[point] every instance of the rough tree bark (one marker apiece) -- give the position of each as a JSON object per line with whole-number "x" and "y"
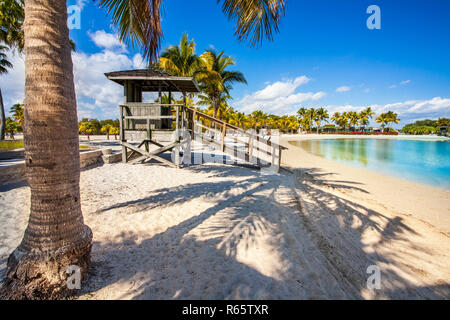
{"x": 56, "y": 236}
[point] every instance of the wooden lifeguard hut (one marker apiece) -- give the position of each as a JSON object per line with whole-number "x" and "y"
{"x": 172, "y": 126}
{"x": 151, "y": 122}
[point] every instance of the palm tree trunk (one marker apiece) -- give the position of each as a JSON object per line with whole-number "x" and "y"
{"x": 56, "y": 236}
{"x": 3, "y": 117}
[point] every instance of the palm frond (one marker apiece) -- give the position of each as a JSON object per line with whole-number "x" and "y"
{"x": 138, "y": 23}
{"x": 254, "y": 19}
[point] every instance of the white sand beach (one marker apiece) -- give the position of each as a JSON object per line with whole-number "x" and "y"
{"x": 215, "y": 231}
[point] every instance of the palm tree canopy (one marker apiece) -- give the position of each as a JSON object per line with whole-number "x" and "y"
{"x": 214, "y": 77}
{"x": 254, "y": 19}
{"x": 181, "y": 60}
{"x": 11, "y": 20}
{"x": 4, "y": 63}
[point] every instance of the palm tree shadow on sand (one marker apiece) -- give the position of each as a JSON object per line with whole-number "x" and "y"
{"x": 214, "y": 255}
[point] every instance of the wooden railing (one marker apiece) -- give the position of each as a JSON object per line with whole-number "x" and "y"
{"x": 254, "y": 148}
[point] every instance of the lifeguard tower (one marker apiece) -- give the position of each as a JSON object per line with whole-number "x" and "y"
{"x": 151, "y": 122}
{"x": 160, "y": 124}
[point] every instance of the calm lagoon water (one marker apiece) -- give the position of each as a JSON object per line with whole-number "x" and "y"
{"x": 421, "y": 161}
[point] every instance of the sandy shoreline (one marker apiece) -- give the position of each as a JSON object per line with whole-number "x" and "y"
{"x": 215, "y": 231}
{"x": 428, "y": 203}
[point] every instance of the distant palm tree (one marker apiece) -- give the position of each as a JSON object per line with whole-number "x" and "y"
{"x": 107, "y": 128}
{"x": 222, "y": 104}
{"x": 383, "y": 119}
{"x": 365, "y": 116}
{"x": 4, "y": 66}
{"x": 17, "y": 113}
{"x": 321, "y": 115}
{"x": 238, "y": 119}
{"x": 214, "y": 79}
{"x": 392, "y": 117}
{"x": 353, "y": 119}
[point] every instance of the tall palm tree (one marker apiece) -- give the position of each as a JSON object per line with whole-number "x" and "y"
{"x": 365, "y": 116}
{"x": 321, "y": 115}
{"x": 56, "y": 235}
{"x": 312, "y": 115}
{"x": 4, "y": 66}
{"x": 222, "y": 104}
{"x": 353, "y": 119}
{"x": 383, "y": 119}
{"x": 214, "y": 79}
{"x": 392, "y": 117}
{"x": 238, "y": 119}
{"x": 180, "y": 60}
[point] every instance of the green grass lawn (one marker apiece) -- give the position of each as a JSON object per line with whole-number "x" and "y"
{"x": 10, "y": 144}
{"x": 6, "y": 145}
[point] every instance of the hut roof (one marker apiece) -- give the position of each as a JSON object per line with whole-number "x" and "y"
{"x": 153, "y": 80}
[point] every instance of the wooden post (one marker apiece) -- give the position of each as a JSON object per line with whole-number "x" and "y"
{"x": 168, "y": 121}
{"x": 122, "y": 136}
{"x": 194, "y": 113}
{"x": 224, "y": 132}
{"x": 250, "y": 147}
{"x": 183, "y": 112}
{"x": 176, "y": 121}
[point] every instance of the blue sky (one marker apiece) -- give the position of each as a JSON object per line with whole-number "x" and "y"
{"x": 324, "y": 56}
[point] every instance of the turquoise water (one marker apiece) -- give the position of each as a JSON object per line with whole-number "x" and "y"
{"x": 421, "y": 161}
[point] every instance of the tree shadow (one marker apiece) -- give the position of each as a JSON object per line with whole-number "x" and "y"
{"x": 338, "y": 226}
{"x": 213, "y": 255}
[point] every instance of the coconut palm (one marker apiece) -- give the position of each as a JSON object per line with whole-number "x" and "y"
{"x": 383, "y": 119}
{"x": 312, "y": 115}
{"x": 11, "y": 23}
{"x": 17, "y": 113}
{"x": 392, "y": 117}
{"x": 214, "y": 79}
{"x": 4, "y": 66}
{"x": 180, "y": 60}
{"x": 321, "y": 115}
{"x": 107, "y": 128}
{"x": 56, "y": 235}
{"x": 365, "y": 116}
{"x": 11, "y": 127}
{"x": 353, "y": 119}
{"x": 222, "y": 104}
{"x": 238, "y": 119}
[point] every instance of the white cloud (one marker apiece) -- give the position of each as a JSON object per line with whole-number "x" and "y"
{"x": 401, "y": 83}
{"x": 95, "y": 93}
{"x": 139, "y": 62}
{"x": 106, "y": 40}
{"x": 405, "y": 82}
{"x": 279, "y": 97}
{"x": 408, "y": 111}
{"x": 12, "y": 83}
{"x": 343, "y": 89}
{"x": 280, "y": 88}
{"x": 367, "y": 90}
